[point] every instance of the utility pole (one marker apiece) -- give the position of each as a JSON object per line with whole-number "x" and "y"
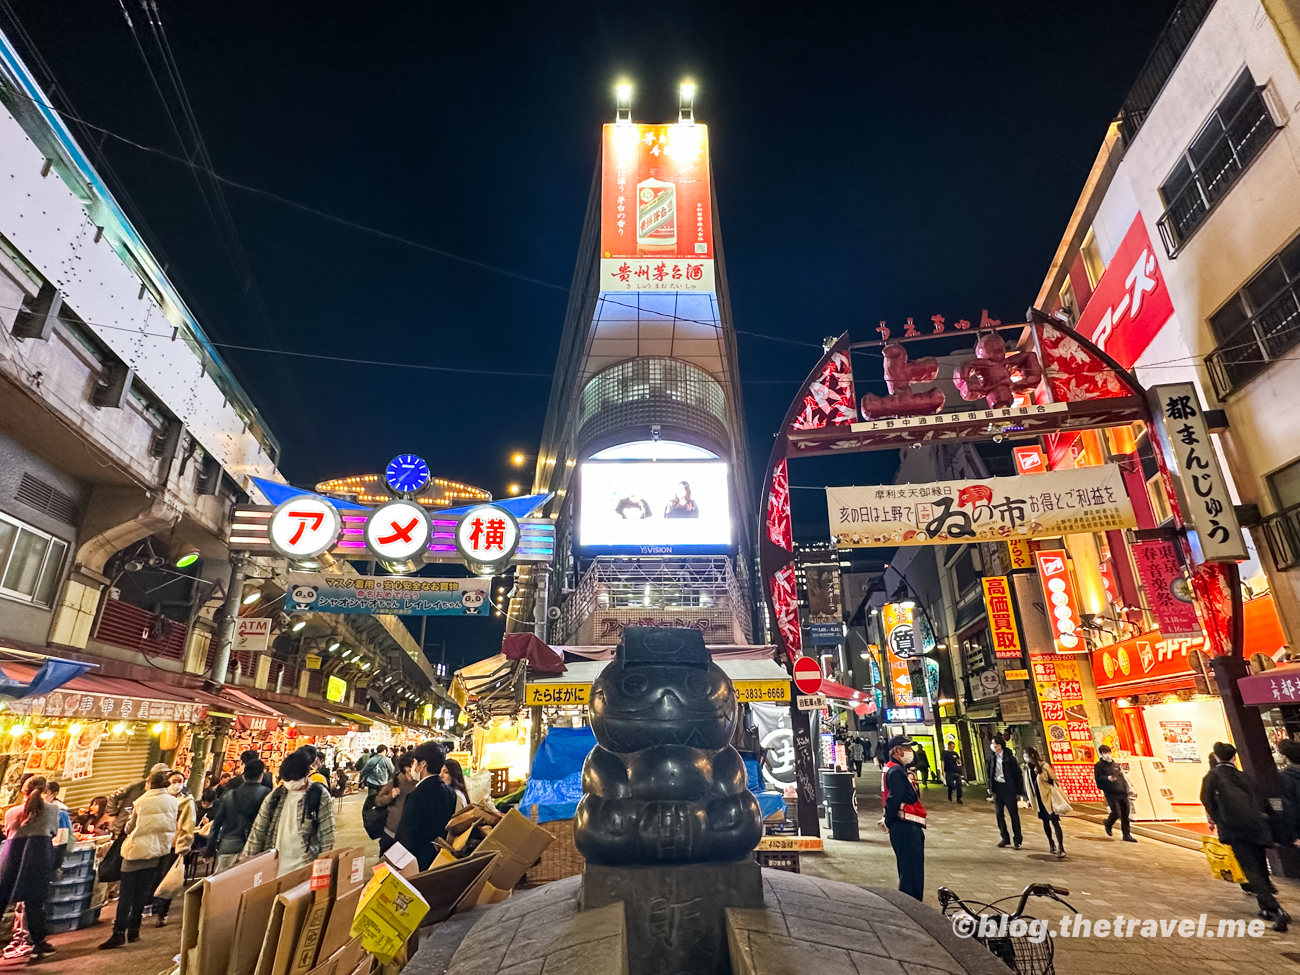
{"x": 226, "y": 639}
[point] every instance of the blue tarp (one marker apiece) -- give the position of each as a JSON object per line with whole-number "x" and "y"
{"x": 54, "y": 673}
{"x": 555, "y": 783}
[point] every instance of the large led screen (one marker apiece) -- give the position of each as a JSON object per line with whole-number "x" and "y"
{"x": 654, "y": 506}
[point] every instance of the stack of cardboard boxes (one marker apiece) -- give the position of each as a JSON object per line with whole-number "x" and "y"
{"x": 335, "y": 917}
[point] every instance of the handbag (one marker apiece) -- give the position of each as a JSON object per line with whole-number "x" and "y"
{"x": 373, "y": 818}
{"x": 173, "y": 881}
{"x": 1223, "y": 862}
{"x": 1060, "y": 805}
{"x": 110, "y": 868}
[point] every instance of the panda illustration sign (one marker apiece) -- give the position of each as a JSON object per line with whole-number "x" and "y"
{"x": 395, "y": 595}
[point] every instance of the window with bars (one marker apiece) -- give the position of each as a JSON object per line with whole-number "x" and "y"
{"x": 1259, "y": 324}
{"x": 30, "y": 562}
{"x": 1238, "y": 128}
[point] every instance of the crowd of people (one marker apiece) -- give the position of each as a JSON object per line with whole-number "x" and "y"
{"x": 156, "y": 821}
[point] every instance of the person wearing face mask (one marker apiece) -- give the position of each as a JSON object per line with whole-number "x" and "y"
{"x": 905, "y": 816}
{"x": 1007, "y": 783}
{"x": 297, "y": 818}
{"x": 428, "y": 807}
{"x": 150, "y": 835}
{"x": 183, "y": 843}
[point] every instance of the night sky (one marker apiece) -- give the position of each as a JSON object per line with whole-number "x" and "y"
{"x": 872, "y": 162}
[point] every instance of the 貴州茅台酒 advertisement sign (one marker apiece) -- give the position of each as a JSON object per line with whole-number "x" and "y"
{"x": 1087, "y": 499}
{"x": 394, "y": 595}
{"x": 656, "y": 223}
{"x": 1130, "y": 303}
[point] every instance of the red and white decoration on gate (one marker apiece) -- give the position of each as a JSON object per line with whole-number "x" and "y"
{"x": 304, "y": 527}
{"x": 397, "y": 531}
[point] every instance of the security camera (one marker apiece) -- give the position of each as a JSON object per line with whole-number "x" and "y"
{"x": 655, "y": 431}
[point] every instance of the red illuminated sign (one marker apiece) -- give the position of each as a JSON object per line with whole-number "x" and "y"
{"x": 1131, "y": 303}
{"x": 1062, "y": 604}
{"x": 1030, "y": 460}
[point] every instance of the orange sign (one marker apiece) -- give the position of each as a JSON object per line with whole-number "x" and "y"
{"x": 1002, "y": 618}
{"x": 1062, "y": 603}
{"x": 1065, "y": 724}
{"x": 1030, "y": 460}
{"x": 656, "y": 223}
{"x": 899, "y": 634}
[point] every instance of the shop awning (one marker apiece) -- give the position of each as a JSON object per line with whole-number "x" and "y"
{"x": 92, "y": 697}
{"x": 755, "y": 681}
{"x": 1280, "y": 685}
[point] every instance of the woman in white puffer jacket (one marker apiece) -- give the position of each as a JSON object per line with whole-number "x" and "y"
{"x": 150, "y": 834}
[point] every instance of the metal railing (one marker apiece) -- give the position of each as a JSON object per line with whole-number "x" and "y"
{"x": 1282, "y": 532}
{"x": 1262, "y": 339}
{"x": 1243, "y": 136}
{"x": 1174, "y": 39}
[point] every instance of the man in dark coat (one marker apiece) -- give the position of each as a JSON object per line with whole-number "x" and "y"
{"x": 1288, "y": 780}
{"x": 429, "y": 806}
{"x": 1240, "y": 815}
{"x": 952, "y": 771}
{"x": 235, "y": 813}
{"x": 1110, "y": 780}
{"x": 1007, "y": 783}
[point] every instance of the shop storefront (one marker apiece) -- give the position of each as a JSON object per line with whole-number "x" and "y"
{"x": 1166, "y": 708}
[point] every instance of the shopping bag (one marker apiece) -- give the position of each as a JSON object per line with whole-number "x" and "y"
{"x": 173, "y": 881}
{"x": 1060, "y": 805}
{"x": 110, "y": 868}
{"x": 1223, "y": 863}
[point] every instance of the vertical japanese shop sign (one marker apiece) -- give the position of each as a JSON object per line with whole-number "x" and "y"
{"x": 900, "y": 647}
{"x": 1168, "y": 591}
{"x": 1199, "y": 484}
{"x": 1062, "y": 603}
{"x": 1020, "y": 554}
{"x": 656, "y": 224}
{"x": 1065, "y": 725}
{"x": 1002, "y": 618}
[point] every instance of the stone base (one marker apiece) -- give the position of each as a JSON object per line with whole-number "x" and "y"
{"x": 676, "y": 915}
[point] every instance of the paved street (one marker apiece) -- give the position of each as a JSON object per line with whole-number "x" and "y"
{"x": 1105, "y": 876}
{"x": 156, "y": 951}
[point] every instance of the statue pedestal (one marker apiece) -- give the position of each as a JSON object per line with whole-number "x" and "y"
{"x": 676, "y": 916}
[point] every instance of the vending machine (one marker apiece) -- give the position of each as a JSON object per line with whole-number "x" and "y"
{"x": 1153, "y": 801}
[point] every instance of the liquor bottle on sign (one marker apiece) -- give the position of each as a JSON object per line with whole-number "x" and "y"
{"x": 656, "y": 215}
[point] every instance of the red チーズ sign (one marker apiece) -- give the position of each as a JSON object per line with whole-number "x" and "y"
{"x": 656, "y": 221}
{"x": 807, "y": 675}
{"x": 1030, "y": 460}
{"x": 1062, "y": 604}
{"x": 1131, "y": 302}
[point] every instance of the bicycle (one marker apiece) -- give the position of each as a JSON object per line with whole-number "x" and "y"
{"x": 1025, "y": 953}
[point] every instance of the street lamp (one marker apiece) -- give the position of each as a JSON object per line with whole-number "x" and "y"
{"x": 514, "y": 489}
{"x": 686, "y": 103}
{"x": 623, "y": 102}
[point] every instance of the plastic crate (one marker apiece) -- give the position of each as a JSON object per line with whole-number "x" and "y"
{"x": 62, "y": 890}
{"x": 75, "y": 871}
{"x": 74, "y": 923}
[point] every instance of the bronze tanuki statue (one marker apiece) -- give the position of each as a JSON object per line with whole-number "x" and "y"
{"x": 664, "y": 785}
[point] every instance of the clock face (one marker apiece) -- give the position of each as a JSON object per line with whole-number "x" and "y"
{"x": 407, "y": 474}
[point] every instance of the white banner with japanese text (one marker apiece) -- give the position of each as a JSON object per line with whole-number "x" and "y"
{"x": 1085, "y": 499}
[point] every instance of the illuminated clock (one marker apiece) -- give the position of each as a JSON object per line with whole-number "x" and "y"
{"x": 407, "y": 474}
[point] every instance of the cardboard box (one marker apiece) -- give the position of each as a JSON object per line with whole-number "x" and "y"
{"x": 321, "y": 883}
{"x": 402, "y": 860}
{"x": 255, "y": 906}
{"x": 349, "y": 882}
{"x": 211, "y": 913}
{"x": 453, "y": 887}
{"x": 344, "y": 960}
{"x": 287, "y": 918}
{"x": 520, "y": 842}
{"x": 389, "y": 912}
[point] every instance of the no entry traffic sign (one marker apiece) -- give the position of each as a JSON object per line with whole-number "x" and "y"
{"x": 807, "y": 675}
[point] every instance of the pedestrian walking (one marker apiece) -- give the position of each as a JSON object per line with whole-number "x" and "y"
{"x": 296, "y": 818}
{"x": 249, "y": 755}
{"x": 1047, "y": 799}
{"x": 1007, "y": 783}
{"x": 235, "y": 814}
{"x": 904, "y": 816}
{"x": 856, "y": 756}
{"x": 1289, "y": 785}
{"x": 1240, "y": 815}
{"x": 150, "y": 835}
{"x": 454, "y": 776}
{"x": 921, "y": 764}
{"x": 119, "y": 804}
{"x": 392, "y": 796}
{"x": 27, "y": 859}
{"x": 882, "y": 752}
{"x": 953, "y": 773}
{"x": 181, "y": 846}
{"x": 428, "y": 807}
{"x": 377, "y": 770}
{"x": 1114, "y": 786}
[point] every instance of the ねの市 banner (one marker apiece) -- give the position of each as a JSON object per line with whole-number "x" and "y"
{"x": 1086, "y": 499}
